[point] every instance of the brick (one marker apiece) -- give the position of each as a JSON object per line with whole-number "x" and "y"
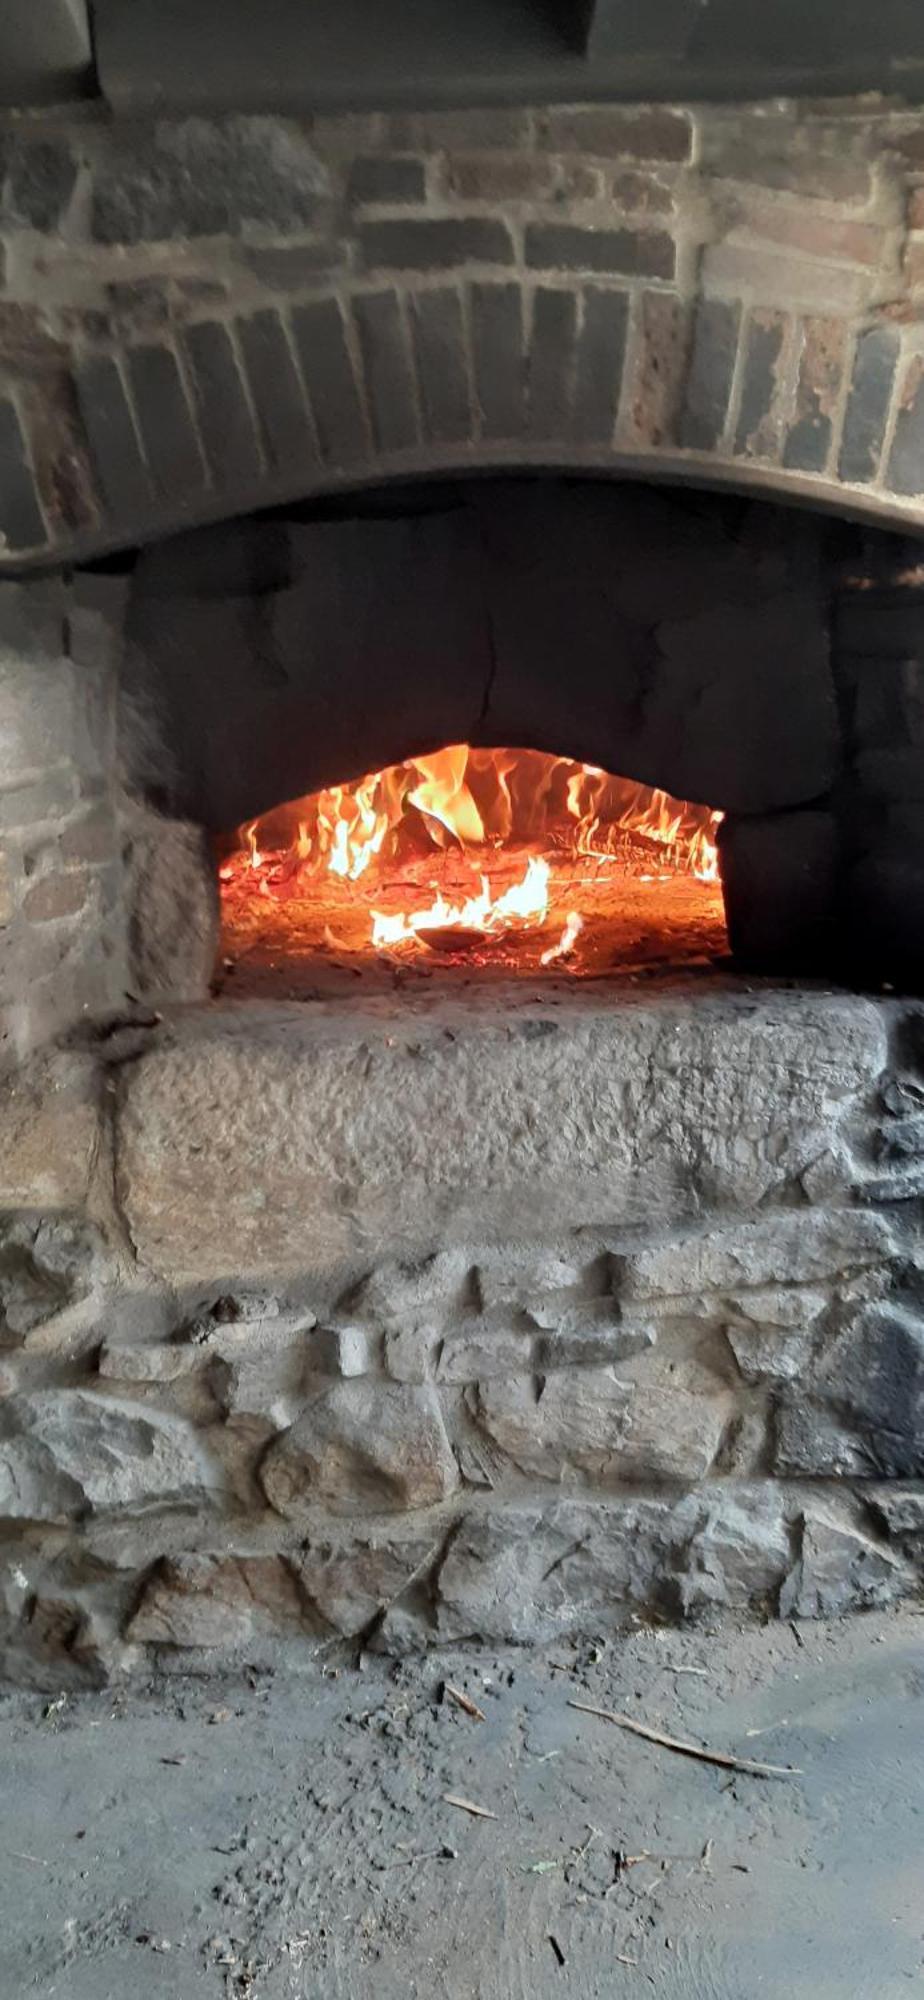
{"x": 601, "y": 348}
{"x": 327, "y": 372}
{"x": 22, "y": 524}
{"x": 55, "y": 896}
{"x": 802, "y": 228}
{"x": 386, "y": 356}
{"x": 770, "y": 276}
{"x": 61, "y": 462}
{"x": 906, "y": 462}
{"x": 660, "y": 367}
{"x": 296, "y": 267}
{"x": 913, "y": 263}
{"x": 42, "y": 177}
{"x": 442, "y": 369}
{"x": 802, "y": 155}
{"x": 434, "y": 243}
{"x": 278, "y": 397}
{"x": 114, "y": 444}
{"x": 610, "y": 130}
{"x": 165, "y": 420}
{"x": 551, "y": 362}
{"x": 875, "y": 362}
{"x": 384, "y": 178}
{"x": 502, "y": 177}
{"x": 498, "y": 358}
{"x": 641, "y": 194}
{"x": 555, "y": 246}
{"x": 26, "y": 346}
{"x": 465, "y": 131}
{"x": 757, "y": 429}
{"x": 709, "y": 381}
{"x": 821, "y": 367}
{"x": 225, "y": 422}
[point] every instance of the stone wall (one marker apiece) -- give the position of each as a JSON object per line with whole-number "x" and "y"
{"x": 199, "y": 316}
{"x": 496, "y": 1321}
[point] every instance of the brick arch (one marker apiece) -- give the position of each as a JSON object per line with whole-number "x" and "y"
{"x": 730, "y": 297}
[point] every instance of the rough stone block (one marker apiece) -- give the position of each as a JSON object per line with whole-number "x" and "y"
{"x": 218, "y": 1600}
{"x": 206, "y": 177}
{"x": 591, "y": 1332}
{"x": 793, "y": 1248}
{"x": 49, "y": 1133}
{"x": 63, "y": 1451}
{"x": 325, "y": 1148}
{"x": 352, "y": 1581}
{"x": 47, "y": 1262}
{"x": 42, "y": 175}
{"x": 362, "y": 1444}
{"x": 342, "y": 1350}
{"x": 592, "y": 1421}
{"x": 479, "y": 1353}
{"x": 840, "y": 1569}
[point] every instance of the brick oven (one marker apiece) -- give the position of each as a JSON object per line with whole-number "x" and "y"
{"x": 461, "y": 873}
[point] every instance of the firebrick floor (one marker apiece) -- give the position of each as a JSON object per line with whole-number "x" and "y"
{"x": 287, "y": 1834}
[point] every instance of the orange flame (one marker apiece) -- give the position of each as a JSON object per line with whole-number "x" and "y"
{"x": 475, "y": 803}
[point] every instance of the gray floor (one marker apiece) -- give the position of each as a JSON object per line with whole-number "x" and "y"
{"x": 288, "y": 1836}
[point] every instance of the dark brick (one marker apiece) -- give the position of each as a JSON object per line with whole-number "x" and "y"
{"x": 756, "y": 433}
{"x": 225, "y": 423}
{"x": 565, "y": 246}
{"x": 435, "y": 243}
{"x": 278, "y": 397}
{"x": 551, "y": 362}
{"x": 712, "y": 366}
{"x": 42, "y": 177}
{"x": 114, "y": 446}
{"x": 21, "y": 522}
{"x": 499, "y": 362}
{"x": 387, "y": 365}
{"x": 874, "y": 366}
{"x": 502, "y": 177}
{"x": 906, "y": 463}
{"x": 165, "y": 421}
{"x": 327, "y": 372}
{"x": 60, "y": 457}
{"x": 295, "y": 267}
{"x": 205, "y": 177}
{"x": 26, "y": 346}
{"x": 616, "y": 133}
{"x": 641, "y": 194}
{"x": 601, "y": 349}
{"x": 141, "y": 304}
{"x": 465, "y": 131}
{"x": 821, "y": 366}
{"x": 442, "y": 369}
{"x": 386, "y": 179}
{"x": 660, "y": 367}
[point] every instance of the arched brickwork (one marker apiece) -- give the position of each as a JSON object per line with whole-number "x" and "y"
{"x": 206, "y": 317}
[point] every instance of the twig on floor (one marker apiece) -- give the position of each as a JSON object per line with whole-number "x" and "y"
{"x": 464, "y": 1701}
{"x": 728, "y": 1763}
{"x": 469, "y": 1806}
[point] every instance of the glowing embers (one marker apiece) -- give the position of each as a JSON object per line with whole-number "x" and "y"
{"x": 496, "y": 856}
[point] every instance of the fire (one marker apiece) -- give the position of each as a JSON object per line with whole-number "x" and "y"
{"x": 500, "y": 842}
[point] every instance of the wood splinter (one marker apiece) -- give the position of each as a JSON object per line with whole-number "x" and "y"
{"x": 721, "y": 1757}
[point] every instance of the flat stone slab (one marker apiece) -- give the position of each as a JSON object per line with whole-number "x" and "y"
{"x": 272, "y": 1139}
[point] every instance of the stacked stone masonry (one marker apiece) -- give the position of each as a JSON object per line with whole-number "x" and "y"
{"x": 325, "y": 1325}
{"x": 201, "y": 316}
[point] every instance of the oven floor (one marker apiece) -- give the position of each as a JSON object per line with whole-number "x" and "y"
{"x": 275, "y": 1837}
{"x": 307, "y": 950}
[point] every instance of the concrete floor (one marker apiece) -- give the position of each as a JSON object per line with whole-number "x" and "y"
{"x": 289, "y": 1836}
